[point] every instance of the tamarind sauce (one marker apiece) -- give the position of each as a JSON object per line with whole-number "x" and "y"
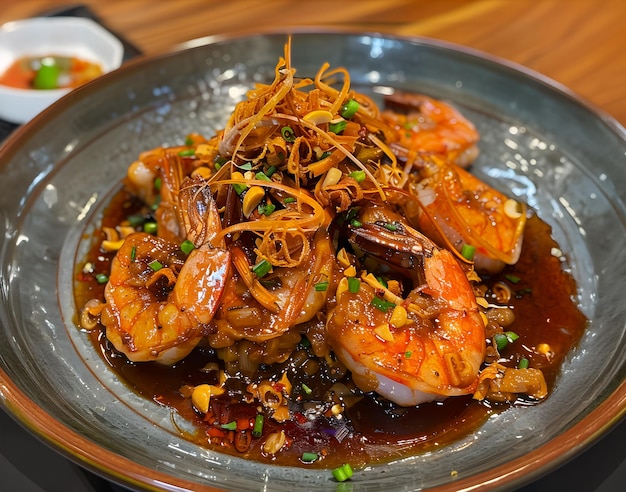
{"x": 544, "y": 303}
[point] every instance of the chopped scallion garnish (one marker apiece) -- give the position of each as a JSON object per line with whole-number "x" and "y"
{"x": 337, "y": 127}
{"x": 350, "y": 109}
{"x": 156, "y": 265}
{"x": 150, "y": 227}
{"x": 391, "y": 226}
{"x": 523, "y": 363}
{"x": 136, "y": 220}
{"x": 358, "y": 176}
{"x": 266, "y": 208}
{"x": 270, "y": 170}
{"x": 355, "y": 223}
{"x": 343, "y": 472}
{"x": 133, "y": 253}
{"x": 306, "y": 389}
{"x": 382, "y": 304}
{"x": 354, "y": 285}
{"x": 288, "y": 133}
{"x": 503, "y": 339}
{"x": 187, "y": 153}
{"x": 262, "y": 176}
{"x": 102, "y": 278}
{"x": 230, "y": 426}
{"x": 262, "y": 268}
{"x": 512, "y": 278}
{"x": 321, "y": 286}
{"x": 289, "y": 199}
{"x": 187, "y": 246}
{"x": 188, "y": 140}
{"x": 158, "y": 183}
{"x": 408, "y": 354}
{"x": 309, "y": 457}
{"x": 468, "y": 251}
{"x": 239, "y": 188}
{"x": 257, "y": 430}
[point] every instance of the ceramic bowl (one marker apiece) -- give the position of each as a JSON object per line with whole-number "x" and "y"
{"x": 538, "y": 142}
{"x": 69, "y": 36}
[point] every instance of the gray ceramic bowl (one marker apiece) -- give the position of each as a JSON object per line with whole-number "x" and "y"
{"x": 538, "y": 142}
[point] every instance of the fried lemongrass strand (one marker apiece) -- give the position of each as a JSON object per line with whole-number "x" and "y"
{"x": 306, "y": 222}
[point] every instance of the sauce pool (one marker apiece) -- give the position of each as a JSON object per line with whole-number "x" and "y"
{"x": 373, "y": 430}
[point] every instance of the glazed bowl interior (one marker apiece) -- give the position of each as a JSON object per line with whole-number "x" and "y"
{"x": 538, "y": 142}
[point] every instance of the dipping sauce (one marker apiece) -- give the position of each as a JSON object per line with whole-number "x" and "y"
{"x": 50, "y": 72}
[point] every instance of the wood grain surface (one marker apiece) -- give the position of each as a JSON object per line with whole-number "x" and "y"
{"x": 579, "y": 43}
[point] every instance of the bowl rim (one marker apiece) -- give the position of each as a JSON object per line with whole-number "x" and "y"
{"x": 607, "y": 415}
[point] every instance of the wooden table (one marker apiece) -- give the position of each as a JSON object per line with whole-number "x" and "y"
{"x": 579, "y": 43}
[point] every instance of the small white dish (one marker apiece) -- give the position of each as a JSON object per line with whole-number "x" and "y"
{"x": 39, "y": 36}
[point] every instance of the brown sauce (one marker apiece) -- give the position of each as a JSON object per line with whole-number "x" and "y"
{"x": 379, "y": 431}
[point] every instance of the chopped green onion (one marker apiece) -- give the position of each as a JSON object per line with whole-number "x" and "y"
{"x": 187, "y": 246}
{"x": 266, "y": 208}
{"x": 381, "y": 304}
{"x": 337, "y": 127}
{"x": 231, "y": 426}
{"x": 47, "y": 76}
{"x": 523, "y": 363}
{"x": 262, "y": 176}
{"x": 219, "y": 162}
{"x": 289, "y": 199}
{"x": 306, "y": 389}
{"x": 188, "y": 140}
{"x": 355, "y": 223}
{"x": 102, "y": 278}
{"x": 271, "y": 170}
{"x": 136, "y": 220}
{"x": 262, "y": 268}
{"x": 390, "y": 226}
{"x": 304, "y": 341}
{"x": 468, "y": 251}
{"x": 408, "y": 354}
{"x": 343, "y": 472}
{"x": 187, "y": 152}
{"x": 133, "y": 253}
{"x": 354, "y": 285}
{"x": 150, "y": 227}
{"x": 240, "y": 188}
{"x": 350, "y": 109}
{"x": 158, "y": 182}
{"x": 503, "y": 339}
{"x": 288, "y": 133}
{"x": 156, "y": 265}
{"x": 245, "y": 167}
{"x": 359, "y": 176}
{"x": 156, "y": 203}
{"x": 512, "y": 278}
{"x": 257, "y": 430}
{"x": 382, "y": 281}
{"x": 325, "y": 155}
{"x": 309, "y": 457}
{"x": 321, "y": 286}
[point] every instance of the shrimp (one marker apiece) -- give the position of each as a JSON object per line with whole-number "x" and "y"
{"x": 425, "y": 346}
{"x": 460, "y": 210}
{"x": 159, "y": 300}
{"x": 427, "y": 126}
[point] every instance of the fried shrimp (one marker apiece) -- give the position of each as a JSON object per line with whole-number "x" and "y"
{"x": 425, "y": 346}
{"x": 158, "y": 299}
